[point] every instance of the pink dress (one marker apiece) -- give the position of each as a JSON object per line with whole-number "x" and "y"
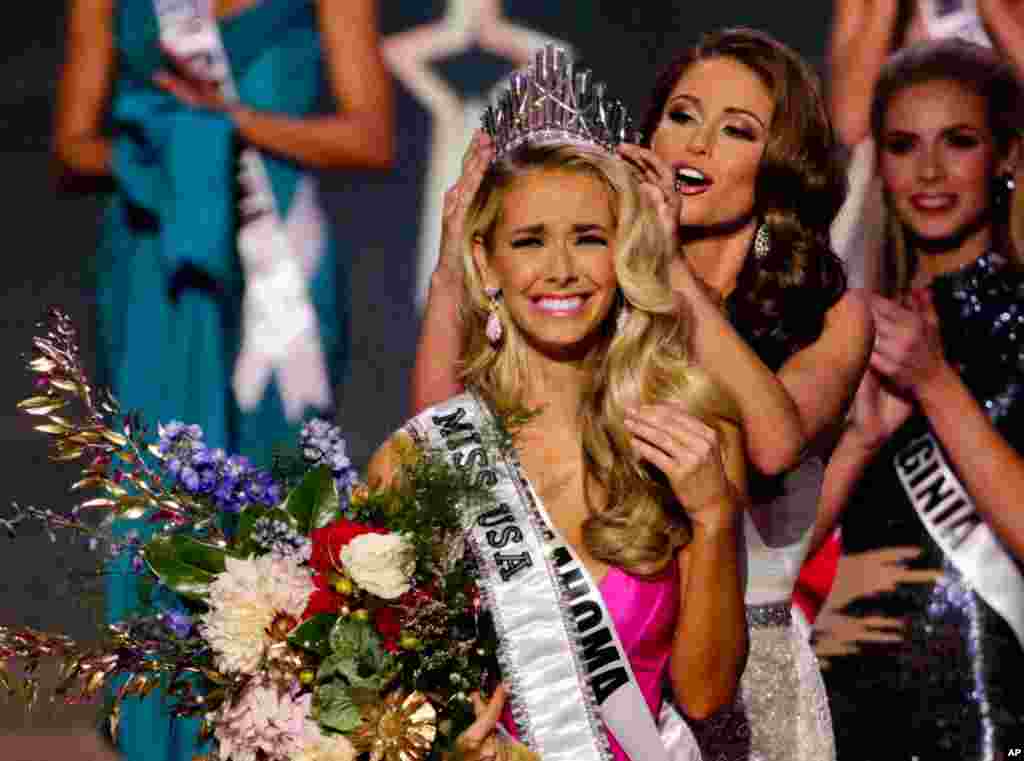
{"x": 644, "y": 612}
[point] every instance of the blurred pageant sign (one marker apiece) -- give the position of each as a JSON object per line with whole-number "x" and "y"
{"x": 468, "y": 29}
{"x": 955, "y": 18}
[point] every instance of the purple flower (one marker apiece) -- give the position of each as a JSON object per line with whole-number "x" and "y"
{"x": 231, "y": 481}
{"x": 189, "y": 478}
{"x": 237, "y": 467}
{"x": 322, "y": 443}
{"x": 179, "y": 622}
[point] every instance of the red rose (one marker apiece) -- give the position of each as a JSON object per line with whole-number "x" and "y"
{"x": 328, "y": 541}
{"x": 387, "y": 622}
{"x": 324, "y": 599}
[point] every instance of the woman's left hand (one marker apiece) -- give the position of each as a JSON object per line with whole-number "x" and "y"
{"x": 186, "y": 83}
{"x": 908, "y": 345}
{"x": 689, "y": 453}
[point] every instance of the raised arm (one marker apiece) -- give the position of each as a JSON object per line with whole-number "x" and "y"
{"x": 711, "y": 643}
{"x": 774, "y": 433}
{"x": 80, "y": 149}
{"x": 910, "y": 353}
{"x": 822, "y": 378}
{"x": 1004, "y": 21}
{"x": 781, "y": 414}
{"x": 435, "y": 375}
{"x": 706, "y": 470}
{"x": 877, "y": 412}
{"x": 863, "y": 33}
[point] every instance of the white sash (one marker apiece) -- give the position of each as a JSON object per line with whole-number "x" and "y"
{"x": 546, "y": 606}
{"x": 280, "y": 334}
{"x": 951, "y": 518}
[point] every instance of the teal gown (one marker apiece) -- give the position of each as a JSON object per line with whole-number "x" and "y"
{"x": 169, "y": 284}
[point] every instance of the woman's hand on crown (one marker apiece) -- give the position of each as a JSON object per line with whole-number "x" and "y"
{"x": 657, "y": 181}
{"x": 689, "y": 453}
{"x": 457, "y": 199}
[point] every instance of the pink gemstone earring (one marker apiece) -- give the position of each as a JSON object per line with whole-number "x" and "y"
{"x": 494, "y": 327}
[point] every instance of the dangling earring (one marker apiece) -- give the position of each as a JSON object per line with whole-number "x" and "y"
{"x": 762, "y": 241}
{"x": 1005, "y": 184}
{"x": 494, "y": 327}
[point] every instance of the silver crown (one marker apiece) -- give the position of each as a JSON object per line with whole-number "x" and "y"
{"x": 550, "y": 101}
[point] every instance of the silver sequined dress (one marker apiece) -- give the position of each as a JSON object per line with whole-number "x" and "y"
{"x": 951, "y": 689}
{"x": 781, "y": 713}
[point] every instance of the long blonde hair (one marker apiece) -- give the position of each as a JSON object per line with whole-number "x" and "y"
{"x": 640, "y": 357}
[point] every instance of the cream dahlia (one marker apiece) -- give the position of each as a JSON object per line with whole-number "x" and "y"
{"x": 265, "y": 719}
{"x": 327, "y": 748}
{"x": 245, "y": 600}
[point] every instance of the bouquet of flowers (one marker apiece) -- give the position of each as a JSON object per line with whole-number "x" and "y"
{"x": 312, "y": 619}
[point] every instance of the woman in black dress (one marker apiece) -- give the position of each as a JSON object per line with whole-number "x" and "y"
{"x": 931, "y": 461}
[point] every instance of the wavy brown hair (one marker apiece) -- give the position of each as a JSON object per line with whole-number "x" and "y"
{"x": 780, "y": 301}
{"x": 981, "y": 71}
{"x": 640, "y": 358}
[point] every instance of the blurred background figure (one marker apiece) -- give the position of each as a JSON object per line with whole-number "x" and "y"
{"x": 186, "y": 326}
{"x": 926, "y": 621}
{"x": 864, "y": 33}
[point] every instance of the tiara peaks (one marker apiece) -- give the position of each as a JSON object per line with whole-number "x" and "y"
{"x": 550, "y": 101}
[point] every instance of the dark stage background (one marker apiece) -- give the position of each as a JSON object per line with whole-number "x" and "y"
{"x": 49, "y": 240}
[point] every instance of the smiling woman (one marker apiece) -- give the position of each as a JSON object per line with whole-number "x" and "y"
{"x": 744, "y": 184}
{"x": 924, "y": 658}
{"x": 627, "y": 478}
{"x": 551, "y": 257}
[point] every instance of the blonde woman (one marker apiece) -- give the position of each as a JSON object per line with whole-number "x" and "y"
{"x": 622, "y": 492}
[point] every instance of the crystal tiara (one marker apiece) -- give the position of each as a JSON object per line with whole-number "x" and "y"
{"x": 551, "y": 102}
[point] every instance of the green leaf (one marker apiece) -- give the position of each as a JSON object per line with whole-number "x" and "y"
{"x": 244, "y": 546}
{"x": 209, "y": 557}
{"x": 314, "y": 502}
{"x": 358, "y": 655}
{"x": 314, "y": 635}
{"x": 333, "y": 665}
{"x": 355, "y": 640}
{"x": 365, "y": 676}
{"x": 185, "y": 565}
{"x": 337, "y": 709}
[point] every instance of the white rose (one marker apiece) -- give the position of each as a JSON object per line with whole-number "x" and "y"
{"x": 380, "y": 563}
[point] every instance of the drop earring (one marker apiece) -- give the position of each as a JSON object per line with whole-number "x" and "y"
{"x": 494, "y": 327}
{"x": 762, "y": 241}
{"x": 1005, "y": 184}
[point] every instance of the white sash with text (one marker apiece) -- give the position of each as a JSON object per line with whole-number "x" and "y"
{"x": 280, "y": 335}
{"x": 951, "y": 518}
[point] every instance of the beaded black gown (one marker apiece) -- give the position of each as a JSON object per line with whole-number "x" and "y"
{"x": 953, "y": 688}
